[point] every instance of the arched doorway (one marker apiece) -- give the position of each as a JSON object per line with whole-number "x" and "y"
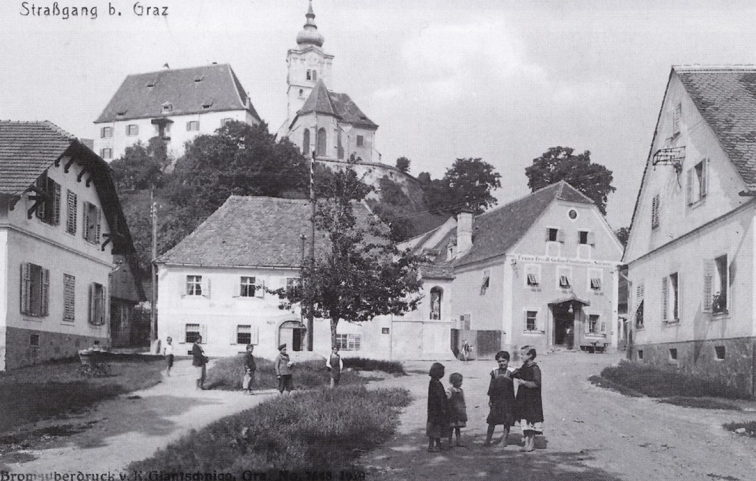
{"x": 293, "y": 334}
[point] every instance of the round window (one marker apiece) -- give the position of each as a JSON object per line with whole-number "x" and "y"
{"x": 573, "y": 214}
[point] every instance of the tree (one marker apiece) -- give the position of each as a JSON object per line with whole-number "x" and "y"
{"x": 623, "y": 234}
{"x": 361, "y": 274}
{"x": 394, "y": 209}
{"x": 141, "y": 167}
{"x": 403, "y": 164}
{"x": 559, "y": 163}
{"x": 467, "y": 184}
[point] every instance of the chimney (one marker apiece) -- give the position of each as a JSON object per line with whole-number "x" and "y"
{"x": 464, "y": 232}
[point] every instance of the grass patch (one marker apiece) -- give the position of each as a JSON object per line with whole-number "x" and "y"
{"x": 654, "y": 382}
{"x": 227, "y": 373}
{"x": 748, "y": 428}
{"x": 607, "y": 384}
{"x": 316, "y": 430}
{"x": 701, "y": 402}
{"x": 53, "y": 389}
{"x": 364, "y": 364}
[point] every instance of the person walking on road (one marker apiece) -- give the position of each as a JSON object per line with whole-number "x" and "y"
{"x": 249, "y": 369}
{"x": 283, "y": 365}
{"x": 501, "y": 399}
{"x": 335, "y": 365}
{"x": 528, "y": 405}
{"x": 168, "y": 353}
{"x": 199, "y": 361}
{"x": 438, "y": 409}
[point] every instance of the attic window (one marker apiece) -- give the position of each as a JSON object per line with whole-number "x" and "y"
{"x": 151, "y": 83}
{"x": 199, "y": 78}
{"x": 207, "y": 104}
{"x": 122, "y": 112}
{"x": 167, "y": 107}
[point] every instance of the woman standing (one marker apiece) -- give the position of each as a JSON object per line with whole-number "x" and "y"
{"x": 528, "y": 406}
{"x": 199, "y": 361}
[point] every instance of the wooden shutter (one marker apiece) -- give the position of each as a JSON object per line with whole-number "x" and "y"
{"x": 25, "y": 288}
{"x": 203, "y": 333}
{"x": 104, "y": 306}
{"x": 85, "y": 217}
{"x": 704, "y": 177}
{"x": 55, "y": 194}
{"x": 655, "y": 211}
{"x": 44, "y": 292}
{"x": 708, "y": 284}
{"x": 72, "y": 211}
{"x": 255, "y": 335}
{"x": 560, "y": 236}
{"x": 92, "y": 310}
{"x": 592, "y": 238}
{"x": 206, "y": 286}
{"x": 42, "y": 185}
{"x": 260, "y": 289}
{"x": 689, "y": 187}
{"x": 97, "y": 226}
{"x": 547, "y": 234}
{"x": 665, "y": 298}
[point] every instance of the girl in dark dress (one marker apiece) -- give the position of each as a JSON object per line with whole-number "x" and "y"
{"x": 438, "y": 409}
{"x": 501, "y": 399}
{"x": 528, "y": 406}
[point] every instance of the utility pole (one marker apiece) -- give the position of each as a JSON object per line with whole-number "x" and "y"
{"x": 310, "y": 314}
{"x": 153, "y": 277}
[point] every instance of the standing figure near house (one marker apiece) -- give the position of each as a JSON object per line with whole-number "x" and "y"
{"x": 457, "y": 407}
{"x": 438, "y": 409}
{"x": 283, "y": 365}
{"x": 335, "y": 365}
{"x": 528, "y": 405}
{"x": 168, "y": 353}
{"x": 466, "y": 350}
{"x": 249, "y": 369}
{"x": 501, "y": 399}
{"x": 199, "y": 361}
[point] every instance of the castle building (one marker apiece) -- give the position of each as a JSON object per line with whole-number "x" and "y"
{"x": 318, "y": 119}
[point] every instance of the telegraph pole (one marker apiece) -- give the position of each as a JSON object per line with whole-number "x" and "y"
{"x": 153, "y": 278}
{"x": 310, "y": 314}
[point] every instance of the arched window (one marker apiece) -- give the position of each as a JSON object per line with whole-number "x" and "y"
{"x": 435, "y": 306}
{"x": 314, "y": 75}
{"x": 321, "y": 144}
{"x": 306, "y": 143}
{"x": 309, "y": 76}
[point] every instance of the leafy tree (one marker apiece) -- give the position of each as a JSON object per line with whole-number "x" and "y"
{"x": 361, "y": 274}
{"x": 623, "y": 234}
{"x": 141, "y": 167}
{"x": 394, "y": 209}
{"x": 559, "y": 163}
{"x": 467, "y": 184}
{"x": 403, "y": 164}
{"x": 424, "y": 178}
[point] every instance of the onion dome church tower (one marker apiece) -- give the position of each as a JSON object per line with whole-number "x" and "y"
{"x": 319, "y": 120}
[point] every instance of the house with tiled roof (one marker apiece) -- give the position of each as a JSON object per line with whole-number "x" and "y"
{"x": 538, "y": 271}
{"x": 174, "y": 104}
{"x": 218, "y": 282}
{"x": 691, "y": 253}
{"x": 63, "y": 236}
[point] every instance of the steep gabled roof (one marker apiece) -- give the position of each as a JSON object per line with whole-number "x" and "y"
{"x": 322, "y": 101}
{"x": 498, "y": 231}
{"x": 319, "y": 101}
{"x": 27, "y": 149}
{"x": 349, "y": 111}
{"x": 726, "y": 98}
{"x": 212, "y": 88}
{"x": 252, "y": 232}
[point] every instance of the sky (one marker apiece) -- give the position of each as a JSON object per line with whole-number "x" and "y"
{"x": 444, "y": 79}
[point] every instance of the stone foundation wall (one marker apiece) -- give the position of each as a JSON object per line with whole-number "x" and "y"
{"x": 52, "y": 345}
{"x": 700, "y": 358}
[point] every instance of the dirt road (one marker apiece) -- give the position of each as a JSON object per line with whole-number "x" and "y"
{"x": 591, "y": 433}
{"x": 130, "y": 428}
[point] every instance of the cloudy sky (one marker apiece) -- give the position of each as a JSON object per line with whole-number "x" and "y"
{"x": 501, "y": 80}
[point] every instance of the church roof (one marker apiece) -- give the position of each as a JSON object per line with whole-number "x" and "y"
{"x": 322, "y": 101}
{"x": 212, "y": 88}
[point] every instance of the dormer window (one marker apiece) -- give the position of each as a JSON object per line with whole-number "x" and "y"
{"x": 207, "y": 104}
{"x": 167, "y": 108}
{"x": 199, "y": 78}
{"x": 121, "y": 112}
{"x": 151, "y": 83}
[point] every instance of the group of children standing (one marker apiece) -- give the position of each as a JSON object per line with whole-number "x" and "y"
{"x": 447, "y": 412}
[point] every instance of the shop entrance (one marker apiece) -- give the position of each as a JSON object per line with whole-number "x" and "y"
{"x": 564, "y": 312}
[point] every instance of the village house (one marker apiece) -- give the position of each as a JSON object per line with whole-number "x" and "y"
{"x": 176, "y": 105}
{"x": 692, "y": 243}
{"x": 60, "y": 226}
{"x": 218, "y": 282}
{"x": 539, "y": 271}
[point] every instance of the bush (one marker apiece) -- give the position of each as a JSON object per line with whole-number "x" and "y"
{"x": 227, "y": 373}
{"x": 363, "y": 364}
{"x": 316, "y": 430}
{"x": 655, "y": 382}
{"x": 744, "y": 428}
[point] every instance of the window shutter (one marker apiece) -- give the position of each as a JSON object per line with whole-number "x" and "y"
{"x": 203, "y": 333}
{"x": 665, "y": 298}
{"x": 85, "y": 217}
{"x": 72, "y": 211}
{"x": 678, "y": 297}
{"x": 56, "y": 203}
{"x": 206, "y": 287}
{"x": 42, "y": 185}
{"x": 689, "y": 189}
{"x": 592, "y": 238}
{"x": 92, "y": 301}
{"x": 560, "y": 236}
{"x": 708, "y": 284}
{"x": 260, "y": 289}
{"x": 655, "y": 211}
{"x": 104, "y": 306}
{"x": 25, "y": 287}
{"x": 234, "y": 334}
{"x": 547, "y": 234}
{"x": 182, "y": 286}
{"x": 97, "y": 226}
{"x": 44, "y": 292}
{"x": 255, "y": 335}
{"x": 704, "y": 177}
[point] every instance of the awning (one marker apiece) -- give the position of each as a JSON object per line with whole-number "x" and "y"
{"x": 572, "y": 298}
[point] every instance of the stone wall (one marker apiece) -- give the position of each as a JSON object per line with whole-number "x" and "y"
{"x": 700, "y": 358}
{"x": 52, "y": 345}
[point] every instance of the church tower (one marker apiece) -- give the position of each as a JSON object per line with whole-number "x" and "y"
{"x": 307, "y": 64}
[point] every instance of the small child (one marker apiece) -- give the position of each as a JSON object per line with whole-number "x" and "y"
{"x": 438, "y": 409}
{"x": 457, "y": 407}
{"x": 501, "y": 399}
{"x": 250, "y": 366}
{"x": 168, "y": 353}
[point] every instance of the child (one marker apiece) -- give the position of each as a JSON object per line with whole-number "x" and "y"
{"x": 283, "y": 365}
{"x": 168, "y": 353}
{"x": 528, "y": 407}
{"x": 438, "y": 409}
{"x": 501, "y": 399}
{"x": 457, "y": 408}
{"x": 249, "y": 369}
{"x": 335, "y": 365}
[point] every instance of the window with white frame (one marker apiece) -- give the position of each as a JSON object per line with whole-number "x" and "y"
{"x": 247, "y": 287}
{"x": 35, "y": 287}
{"x": 192, "y": 126}
{"x": 97, "y": 304}
{"x": 485, "y": 282}
{"x": 583, "y": 237}
{"x": 554, "y": 241}
{"x": 670, "y": 298}
{"x": 564, "y": 278}
{"x": 244, "y": 334}
{"x": 106, "y": 153}
{"x": 716, "y": 284}
{"x": 106, "y": 132}
{"x": 132, "y": 130}
{"x": 595, "y": 280}
{"x": 593, "y": 324}
{"x": 349, "y": 342}
{"x": 193, "y": 285}
{"x": 640, "y": 291}
{"x": 69, "y": 298}
{"x": 655, "y": 211}
{"x": 532, "y": 275}
{"x": 697, "y": 182}
{"x": 49, "y": 210}
{"x": 191, "y": 333}
{"x": 531, "y": 321}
